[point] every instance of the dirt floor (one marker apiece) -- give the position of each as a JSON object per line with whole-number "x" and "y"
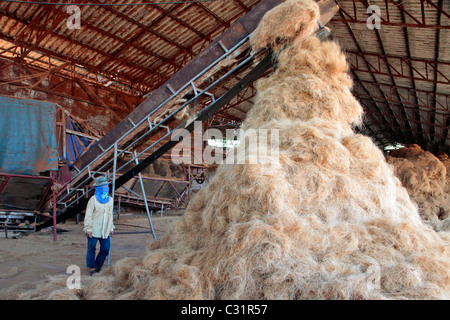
{"x": 26, "y": 259}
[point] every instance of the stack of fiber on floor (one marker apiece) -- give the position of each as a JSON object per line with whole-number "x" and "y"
{"x": 329, "y": 220}
{"x": 427, "y": 181}
{"x": 445, "y": 159}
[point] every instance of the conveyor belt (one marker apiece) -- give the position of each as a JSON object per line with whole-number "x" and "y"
{"x": 227, "y": 53}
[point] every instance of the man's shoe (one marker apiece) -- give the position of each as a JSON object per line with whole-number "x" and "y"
{"x": 92, "y": 272}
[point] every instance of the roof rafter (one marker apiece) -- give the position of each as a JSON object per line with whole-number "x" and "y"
{"x": 205, "y": 41}
{"x": 413, "y": 83}
{"x": 383, "y": 52}
{"x": 127, "y": 43}
{"x": 212, "y": 14}
{"x": 355, "y": 40}
{"x": 32, "y": 46}
{"x": 436, "y": 58}
{"x": 350, "y": 17}
{"x": 404, "y": 64}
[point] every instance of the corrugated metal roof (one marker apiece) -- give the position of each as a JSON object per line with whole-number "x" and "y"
{"x": 401, "y": 71}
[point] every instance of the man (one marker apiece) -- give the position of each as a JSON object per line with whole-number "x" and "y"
{"x": 98, "y": 225}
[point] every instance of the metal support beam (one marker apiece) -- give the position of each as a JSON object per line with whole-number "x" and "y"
{"x": 400, "y": 66}
{"x": 144, "y": 197}
{"x": 350, "y": 15}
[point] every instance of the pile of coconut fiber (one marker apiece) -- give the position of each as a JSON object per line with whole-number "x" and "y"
{"x": 426, "y": 178}
{"x": 327, "y": 219}
{"x": 445, "y": 159}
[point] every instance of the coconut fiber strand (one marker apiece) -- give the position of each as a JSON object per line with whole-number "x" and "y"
{"x": 329, "y": 220}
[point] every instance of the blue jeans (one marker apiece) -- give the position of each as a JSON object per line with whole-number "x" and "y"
{"x": 91, "y": 260}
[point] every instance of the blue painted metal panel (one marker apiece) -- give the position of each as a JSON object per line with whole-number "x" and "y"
{"x": 27, "y": 136}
